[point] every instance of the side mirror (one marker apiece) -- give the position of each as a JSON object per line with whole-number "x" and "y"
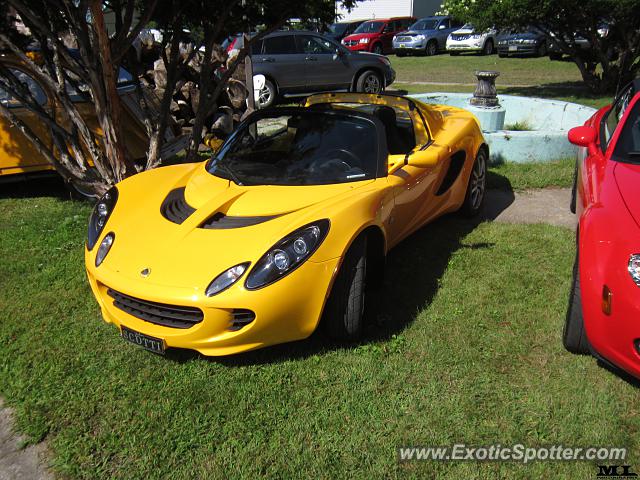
{"x": 213, "y": 142}
{"x": 338, "y": 54}
{"x": 441, "y": 27}
{"x": 430, "y": 157}
{"x": 584, "y": 137}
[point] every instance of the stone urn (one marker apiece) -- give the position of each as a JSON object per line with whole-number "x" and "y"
{"x": 485, "y": 94}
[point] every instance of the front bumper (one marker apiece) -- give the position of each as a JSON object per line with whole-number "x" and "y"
{"x": 521, "y": 49}
{"x": 409, "y": 45}
{"x": 285, "y": 311}
{"x": 467, "y": 46}
{"x": 358, "y": 47}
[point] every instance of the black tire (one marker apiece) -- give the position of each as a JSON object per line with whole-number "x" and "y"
{"x": 344, "y": 312}
{"x": 401, "y": 54}
{"x": 377, "y": 48}
{"x": 267, "y": 95}
{"x": 502, "y": 55}
{"x": 369, "y": 82}
{"x": 574, "y": 337}
{"x": 454, "y": 54}
{"x": 574, "y": 189}
{"x": 555, "y": 56}
{"x": 476, "y": 188}
{"x": 487, "y": 49}
{"x": 542, "y": 50}
{"x": 431, "y": 48}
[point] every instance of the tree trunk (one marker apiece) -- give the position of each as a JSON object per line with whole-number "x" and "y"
{"x": 108, "y": 108}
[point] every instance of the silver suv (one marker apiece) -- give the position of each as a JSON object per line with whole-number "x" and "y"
{"x": 297, "y": 63}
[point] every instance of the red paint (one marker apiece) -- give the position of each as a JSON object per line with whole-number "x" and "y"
{"x": 608, "y": 209}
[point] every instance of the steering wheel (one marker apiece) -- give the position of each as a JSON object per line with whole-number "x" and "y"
{"x": 345, "y": 156}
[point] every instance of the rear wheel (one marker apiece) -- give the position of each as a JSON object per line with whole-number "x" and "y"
{"x": 474, "y": 197}
{"x": 369, "y": 82}
{"x": 431, "y": 48}
{"x": 344, "y": 312}
{"x": 574, "y": 338}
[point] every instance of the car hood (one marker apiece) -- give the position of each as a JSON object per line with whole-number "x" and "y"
{"x": 627, "y": 177}
{"x": 417, "y": 32}
{"x": 358, "y": 36}
{"x": 522, "y": 36}
{"x": 464, "y": 31}
{"x": 191, "y": 253}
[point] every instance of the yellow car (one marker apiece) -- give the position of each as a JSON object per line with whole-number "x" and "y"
{"x": 284, "y": 227}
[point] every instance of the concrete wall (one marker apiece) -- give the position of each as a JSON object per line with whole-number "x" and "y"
{"x": 548, "y": 120}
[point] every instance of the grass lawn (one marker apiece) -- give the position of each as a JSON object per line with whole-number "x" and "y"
{"x": 522, "y": 176}
{"x": 467, "y": 349}
{"x": 534, "y": 77}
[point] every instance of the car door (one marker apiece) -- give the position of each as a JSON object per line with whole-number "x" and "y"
{"x": 17, "y": 153}
{"x": 386, "y": 37}
{"x": 327, "y": 66}
{"x": 442, "y": 32}
{"x": 280, "y": 60}
{"x": 412, "y": 186}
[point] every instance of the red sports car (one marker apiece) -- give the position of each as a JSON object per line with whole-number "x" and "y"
{"x": 603, "y": 317}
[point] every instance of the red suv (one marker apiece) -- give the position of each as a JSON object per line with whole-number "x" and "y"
{"x": 376, "y": 35}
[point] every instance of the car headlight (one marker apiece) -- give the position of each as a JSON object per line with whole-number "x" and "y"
{"x": 529, "y": 41}
{"x": 419, "y": 37}
{"x": 226, "y": 279}
{"x": 502, "y": 42}
{"x": 287, "y": 255}
{"x": 100, "y": 215}
{"x": 634, "y": 268}
{"x": 476, "y": 36}
{"x": 364, "y": 40}
{"x": 105, "y": 246}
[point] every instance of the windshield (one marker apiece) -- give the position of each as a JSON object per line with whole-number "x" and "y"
{"x": 468, "y": 26}
{"x": 628, "y": 147}
{"x": 337, "y": 28}
{"x": 430, "y": 24}
{"x": 369, "y": 27}
{"x": 299, "y": 148}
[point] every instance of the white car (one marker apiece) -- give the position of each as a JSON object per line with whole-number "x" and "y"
{"x": 466, "y": 39}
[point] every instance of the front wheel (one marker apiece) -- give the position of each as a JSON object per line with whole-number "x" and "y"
{"x": 344, "y": 312}
{"x": 431, "y": 48}
{"x": 474, "y": 197}
{"x": 542, "y": 50}
{"x": 377, "y": 48}
{"x": 488, "y": 47}
{"x": 369, "y": 82}
{"x": 574, "y": 338}
{"x": 267, "y": 94}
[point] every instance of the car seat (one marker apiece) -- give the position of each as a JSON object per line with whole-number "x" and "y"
{"x": 396, "y": 144}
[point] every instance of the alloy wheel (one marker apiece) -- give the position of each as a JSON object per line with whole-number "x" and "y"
{"x": 478, "y": 180}
{"x": 372, "y": 84}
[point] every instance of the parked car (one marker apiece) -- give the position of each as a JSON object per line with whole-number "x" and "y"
{"x": 604, "y": 306}
{"x": 300, "y": 206}
{"x": 581, "y": 43}
{"x": 337, "y": 31}
{"x": 19, "y": 156}
{"x": 466, "y": 39}
{"x": 427, "y": 36}
{"x": 531, "y": 43}
{"x": 376, "y": 35}
{"x": 297, "y": 63}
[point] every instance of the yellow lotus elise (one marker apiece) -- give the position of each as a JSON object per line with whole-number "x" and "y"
{"x": 285, "y": 228}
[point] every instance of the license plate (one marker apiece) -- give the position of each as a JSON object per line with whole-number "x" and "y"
{"x": 152, "y": 344}
{"x": 402, "y": 45}
{"x": 513, "y": 48}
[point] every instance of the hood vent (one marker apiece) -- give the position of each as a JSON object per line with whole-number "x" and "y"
{"x": 220, "y": 221}
{"x": 175, "y": 208}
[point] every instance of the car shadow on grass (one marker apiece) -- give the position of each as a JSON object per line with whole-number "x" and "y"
{"x": 412, "y": 278}
{"x": 33, "y": 186}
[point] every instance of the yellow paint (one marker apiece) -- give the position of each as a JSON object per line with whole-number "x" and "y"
{"x": 184, "y": 259}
